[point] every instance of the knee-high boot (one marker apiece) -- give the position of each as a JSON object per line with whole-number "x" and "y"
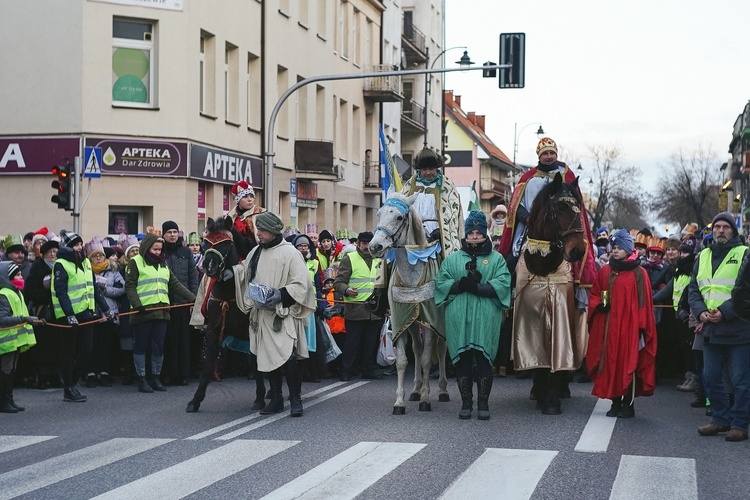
{"x": 9, "y": 392}
{"x": 139, "y": 364}
{"x": 628, "y": 409}
{"x": 465, "y": 387}
{"x": 155, "y": 382}
{"x": 294, "y": 382}
{"x": 276, "y": 403}
{"x": 551, "y": 404}
{"x": 484, "y": 387}
{"x": 5, "y": 388}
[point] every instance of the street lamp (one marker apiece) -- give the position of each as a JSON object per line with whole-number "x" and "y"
{"x": 269, "y": 154}
{"x": 464, "y": 62}
{"x": 516, "y": 133}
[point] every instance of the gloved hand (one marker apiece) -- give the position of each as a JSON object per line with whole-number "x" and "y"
{"x": 72, "y": 321}
{"x": 274, "y": 299}
{"x": 475, "y": 275}
{"x": 141, "y": 309}
{"x": 434, "y": 235}
{"x": 467, "y": 284}
{"x": 227, "y": 275}
{"x": 111, "y": 315}
{"x": 328, "y": 312}
{"x": 600, "y": 307}
{"x": 31, "y": 319}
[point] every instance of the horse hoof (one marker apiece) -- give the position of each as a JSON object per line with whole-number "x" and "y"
{"x": 423, "y": 406}
{"x": 444, "y": 398}
{"x": 399, "y": 410}
{"x": 414, "y": 396}
{"x": 192, "y": 407}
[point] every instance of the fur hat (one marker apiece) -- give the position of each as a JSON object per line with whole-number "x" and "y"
{"x": 545, "y": 144}
{"x": 69, "y": 238}
{"x": 48, "y": 245}
{"x": 242, "y": 189}
{"x": 269, "y": 221}
{"x": 499, "y": 209}
{"x": 428, "y": 158}
{"x": 622, "y": 239}
{"x": 365, "y": 237}
{"x": 726, "y": 217}
{"x": 476, "y": 220}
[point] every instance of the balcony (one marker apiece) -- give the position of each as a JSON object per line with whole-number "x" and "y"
{"x": 383, "y": 88}
{"x": 413, "y": 43}
{"x": 499, "y": 192}
{"x": 412, "y": 117}
{"x": 372, "y": 176}
{"x": 313, "y": 160}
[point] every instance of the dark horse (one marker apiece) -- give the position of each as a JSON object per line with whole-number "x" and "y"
{"x": 222, "y": 316}
{"x": 545, "y": 321}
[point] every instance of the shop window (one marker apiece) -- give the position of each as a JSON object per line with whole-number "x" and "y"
{"x": 134, "y": 63}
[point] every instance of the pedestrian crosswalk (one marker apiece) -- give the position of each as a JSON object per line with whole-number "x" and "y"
{"x": 512, "y": 474}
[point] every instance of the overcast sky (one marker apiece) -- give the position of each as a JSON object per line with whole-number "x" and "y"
{"x": 649, "y": 76}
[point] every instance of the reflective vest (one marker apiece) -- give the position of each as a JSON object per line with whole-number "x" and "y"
{"x": 717, "y": 289}
{"x": 20, "y": 337}
{"x": 680, "y": 283}
{"x": 153, "y": 283}
{"x": 80, "y": 287}
{"x": 313, "y": 266}
{"x": 323, "y": 259}
{"x": 362, "y": 278}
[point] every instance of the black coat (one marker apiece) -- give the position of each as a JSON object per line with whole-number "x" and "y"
{"x": 741, "y": 292}
{"x": 180, "y": 261}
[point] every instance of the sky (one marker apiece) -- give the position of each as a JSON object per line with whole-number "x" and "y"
{"x": 651, "y": 77}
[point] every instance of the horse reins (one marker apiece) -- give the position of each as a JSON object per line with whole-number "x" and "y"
{"x": 403, "y": 209}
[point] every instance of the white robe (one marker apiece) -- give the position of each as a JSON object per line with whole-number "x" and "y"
{"x": 281, "y": 266}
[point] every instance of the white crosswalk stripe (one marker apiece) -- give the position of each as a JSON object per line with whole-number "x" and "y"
{"x": 508, "y": 474}
{"x": 30, "y": 478}
{"x": 598, "y": 431}
{"x": 8, "y": 443}
{"x": 655, "y": 478}
{"x": 199, "y": 472}
{"x": 349, "y": 473}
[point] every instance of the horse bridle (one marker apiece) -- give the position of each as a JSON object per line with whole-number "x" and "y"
{"x": 213, "y": 250}
{"x": 403, "y": 209}
{"x": 571, "y": 202}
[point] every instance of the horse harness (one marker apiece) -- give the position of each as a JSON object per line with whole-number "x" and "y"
{"x": 223, "y": 303}
{"x": 403, "y": 209}
{"x": 545, "y": 247}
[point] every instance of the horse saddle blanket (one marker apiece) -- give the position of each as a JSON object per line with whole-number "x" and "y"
{"x": 413, "y": 295}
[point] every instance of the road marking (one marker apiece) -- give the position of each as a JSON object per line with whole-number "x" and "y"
{"x": 283, "y": 414}
{"x": 8, "y": 443}
{"x": 349, "y": 473}
{"x": 656, "y": 478}
{"x": 501, "y": 473}
{"x": 598, "y": 431}
{"x": 190, "y": 476}
{"x": 41, "y": 474}
{"x": 242, "y": 420}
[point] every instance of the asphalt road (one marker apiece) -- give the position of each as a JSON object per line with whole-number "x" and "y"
{"x": 123, "y": 444}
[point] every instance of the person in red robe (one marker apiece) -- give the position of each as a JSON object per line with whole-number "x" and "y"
{"x": 622, "y": 333}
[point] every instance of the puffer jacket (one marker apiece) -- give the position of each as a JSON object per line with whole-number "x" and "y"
{"x": 112, "y": 285}
{"x": 179, "y": 258}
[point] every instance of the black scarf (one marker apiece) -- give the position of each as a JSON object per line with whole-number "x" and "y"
{"x": 154, "y": 260}
{"x": 623, "y": 264}
{"x": 549, "y": 168}
{"x": 475, "y": 250}
{"x": 256, "y": 256}
{"x": 684, "y": 265}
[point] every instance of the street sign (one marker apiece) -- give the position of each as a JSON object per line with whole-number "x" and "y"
{"x": 513, "y": 51}
{"x": 92, "y": 163}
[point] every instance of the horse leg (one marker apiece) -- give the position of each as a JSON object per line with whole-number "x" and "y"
{"x": 417, "y": 347}
{"x": 442, "y": 348}
{"x": 425, "y": 361}
{"x": 212, "y": 351}
{"x": 401, "y": 361}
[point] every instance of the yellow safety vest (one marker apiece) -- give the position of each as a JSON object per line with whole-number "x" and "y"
{"x": 20, "y": 337}
{"x": 313, "y": 266}
{"x": 80, "y": 288}
{"x": 153, "y": 283}
{"x": 323, "y": 259}
{"x": 717, "y": 289}
{"x": 362, "y": 278}
{"x": 680, "y": 283}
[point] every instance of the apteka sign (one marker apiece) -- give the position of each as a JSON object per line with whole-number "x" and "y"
{"x": 225, "y": 167}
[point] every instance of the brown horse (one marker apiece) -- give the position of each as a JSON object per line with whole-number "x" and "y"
{"x": 545, "y": 321}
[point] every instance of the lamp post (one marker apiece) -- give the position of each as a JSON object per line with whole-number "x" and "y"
{"x": 464, "y": 62}
{"x": 516, "y": 134}
{"x": 269, "y": 153}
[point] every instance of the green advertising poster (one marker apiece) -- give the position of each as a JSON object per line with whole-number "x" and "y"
{"x": 130, "y": 68}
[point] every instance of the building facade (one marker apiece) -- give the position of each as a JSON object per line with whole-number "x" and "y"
{"x": 736, "y": 198}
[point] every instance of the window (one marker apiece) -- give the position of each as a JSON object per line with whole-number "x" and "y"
{"x": 304, "y": 12}
{"x": 343, "y": 149}
{"x": 207, "y": 72}
{"x": 320, "y": 115}
{"x": 322, "y": 16}
{"x": 368, "y": 44}
{"x": 253, "y": 92}
{"x": 302, "y": 110}
{"x": 133, "y": 63}
{"x": 231, "y": 83}
{"x": 356, "y": 129}
{"x": 356, "y": 55}
{"x": 282, "y": 85}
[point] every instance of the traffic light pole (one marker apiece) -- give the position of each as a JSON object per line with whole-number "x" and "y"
{"x": 77, "y": 173}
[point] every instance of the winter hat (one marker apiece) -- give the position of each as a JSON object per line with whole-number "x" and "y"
{"x": 37, "y": 238}
{"x": 476, "y": 220}
{"x": 657, "y": 245}
{"x": 688, "y": 245}
{"x": 129, "y": 243}
{"x": 301, "y": 239}
{"x": 726, "y": 217}
{"x": 168, "y": 226}
{"x": 48, "y": 245}
{"x": 14, "y": 243}
{"x": 94, "y": 247}
{"x": 269, "y": 221}
{"x": 325, "y": 234}
{"x": 13, "y": 269}
{"x": 194, "y": 239}
{"x": 622, "y": 239}
{"x": 428, "y": 158}
{"x": 69, "y": 238}
{"x": 242, "y": 189}
{"x": 602, "y": 236}
{"x": 545, "y": 144}
{"x": 311, "y": 228}
{"x": 642, "y": 240}
{"x": 499, "y": 209}
{"x": 365, "y": 237}
{"x": 288, "y": 232}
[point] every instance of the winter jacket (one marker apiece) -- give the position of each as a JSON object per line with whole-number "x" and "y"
{"x": 61, "y": 289}
{"x": 38, "y": 297}
{"x": 741, "y": 292}
{"x": 112, "y": 285}
{"x": 180, "y": 261}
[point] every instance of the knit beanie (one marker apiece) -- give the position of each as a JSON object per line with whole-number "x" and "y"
{"x": 13, "y": 269}
{"x": 726, "y": 217}
{"x": 169, "y": 225}
{"x": 325, "y": 234}
{"x": 476, "y": 220}
{"x": 69, "y": 238}
{"x": 269, "y": 221}
{"x": 622, "y": 239}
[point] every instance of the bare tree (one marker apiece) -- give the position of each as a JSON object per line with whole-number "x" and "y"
{"x": 627, "y": 211}
{"x": 614, "y": 186}
{"x": 690, "y": 190}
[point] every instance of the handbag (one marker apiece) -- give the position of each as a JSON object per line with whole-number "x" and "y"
{"x": 386, "y": 352}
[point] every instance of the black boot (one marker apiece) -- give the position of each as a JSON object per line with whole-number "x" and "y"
{"x": 540, "y": 387}
{"x": 9, "y": 390}
{"x": 276, "y": 402}
{"x": 484, "y": 386}
{"x": 260, "y": 392}
{"x": 143, "y": 385}
{"x": 294, "y": 382}
{"x": 465, "y": 387}
{"x": 551, "y": 404}
{"x": 627, "y": 410}
{"x": 71, "y": 394}
{"x": 615, "y": 408}
{"x": 5, "y": 406}
{"x": 155, "y": 383}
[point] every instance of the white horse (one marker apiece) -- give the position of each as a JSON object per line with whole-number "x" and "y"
{"x": 411, "y": 298}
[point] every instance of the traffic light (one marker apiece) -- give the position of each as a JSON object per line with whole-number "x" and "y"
{"x": 62, "y": 185}
{"x": 513, "y": 51}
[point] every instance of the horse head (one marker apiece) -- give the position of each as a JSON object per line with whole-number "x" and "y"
{"x": 399, "y": 224}
{"x": 218, "y": 247}
{"x": 556, "y": 230}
